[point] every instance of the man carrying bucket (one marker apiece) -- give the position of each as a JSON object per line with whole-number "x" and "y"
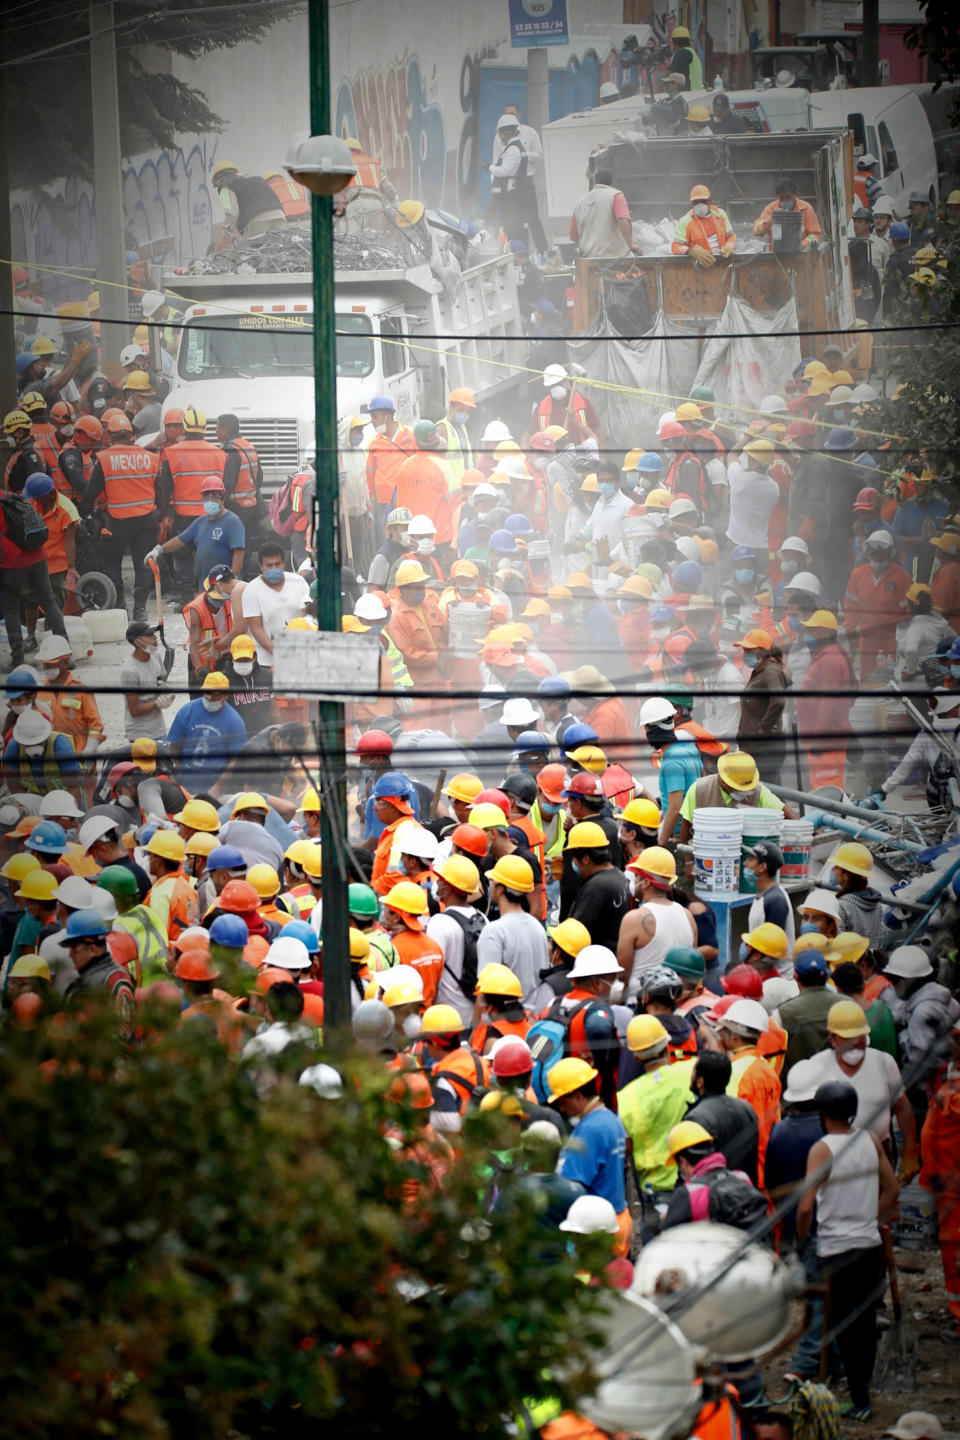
{"x": 737, "y": 782}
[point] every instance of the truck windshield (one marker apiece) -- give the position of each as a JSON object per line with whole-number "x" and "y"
{"x": 230, "y": 347}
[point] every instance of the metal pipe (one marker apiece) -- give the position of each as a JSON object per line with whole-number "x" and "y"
{"x": 822, "y": 802}
{"x": 879, "y": 837}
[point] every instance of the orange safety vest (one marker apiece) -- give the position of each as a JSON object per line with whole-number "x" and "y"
{"x": 190, "y": 462}
{"x": 576, "y": 409}
{"x": 301, "y": 901}
{"x": 183, "y": 903}
{"x": 368, "y": 172}
{"x": 466, "y": 1070}
{"x": 245, "y": 494}
{"x": 129, "y": 480}
{"x": 294, "y": 200}
{"x": 60, "y": 479}
{"x": 297, "y": 508}
{"x": 496, "y": 1029}
{"x": 44, "y": 437}
{"x": 208, "y": 629}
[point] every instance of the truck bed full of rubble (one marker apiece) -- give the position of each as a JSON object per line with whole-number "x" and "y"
{"x": 287, "y": 251}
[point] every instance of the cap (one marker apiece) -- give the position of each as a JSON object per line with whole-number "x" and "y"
{"x": 810, "y": 962}
{"x": 916, "y": 1425}
{"x": 768, "y": 854}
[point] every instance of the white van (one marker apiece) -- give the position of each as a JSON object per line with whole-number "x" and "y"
{"x": 890, "y": 122}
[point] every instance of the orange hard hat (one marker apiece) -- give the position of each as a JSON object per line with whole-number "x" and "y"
{"x": 238, "y": 897}
{"x": 552, "y": 780}
{"x": 195, "y": 964}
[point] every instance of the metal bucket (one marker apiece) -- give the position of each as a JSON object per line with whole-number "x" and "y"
{"x": 468, "y": 623}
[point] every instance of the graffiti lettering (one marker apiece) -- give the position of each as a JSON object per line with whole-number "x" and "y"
{"x": 388, "y": 110}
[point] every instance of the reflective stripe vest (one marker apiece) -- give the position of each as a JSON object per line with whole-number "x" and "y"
{"x": 245, "y": 494}
{"x": 294, "y": 200}
{"x": 61, "y": 478}
{"x": 301, "y": 515}
{"x": 208, "y": 628}
{"x": 129, "y": 480}
{"x": 179, "y": 899}
{"x": 399, "y": 673}
{"x": 368, "y": 172}
{"x": 51, "y": 778}
{"x": 459, "y": 455}
{"x": 44, "y": 438}
{"x": 299, "y": 901}
{"x": 465, "y": 1070}
{"x": 143, "y": 925}
{"x": 190, "y": 462}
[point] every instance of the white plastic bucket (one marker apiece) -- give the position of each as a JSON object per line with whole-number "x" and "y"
{"x": 106, "y": 625}
{"x": 468, "y": 623}
{"x": 915, "y": 1227}
{"x": 78, "y": 632}
{"x": 717, "y": 838}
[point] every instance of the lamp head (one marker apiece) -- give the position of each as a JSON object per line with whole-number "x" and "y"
{"x": 323, "y": 164}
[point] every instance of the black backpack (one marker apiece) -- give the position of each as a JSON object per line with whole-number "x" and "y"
{"x": 471, "y": 925}
{"x": 25, "y": 527}
{"x": 733, "y": 1200}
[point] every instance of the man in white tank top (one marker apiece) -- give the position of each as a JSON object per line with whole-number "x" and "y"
{"x": 657, "y": 925}
{"x": 850, "y": 1181}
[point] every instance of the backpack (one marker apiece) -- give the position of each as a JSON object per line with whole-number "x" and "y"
{"x": 471, "y": 925}
{"x": 25, "y": 527}
{"x": 548, "y": 1040}
{"x": 733, "y": 1200}
{"x": 282, "y": 516}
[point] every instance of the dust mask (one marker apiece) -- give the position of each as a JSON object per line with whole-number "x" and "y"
{"x": 243, "y": 667}
{"x": 214, "y": 706}
{"x": 558, "y": 392}
{"x": 701, "y": 210}
{"x": 853, "y": 1057}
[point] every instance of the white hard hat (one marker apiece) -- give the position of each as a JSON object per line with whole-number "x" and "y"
{"x": 421, "y": 525}
{"x": 656, "y": 710}
{"x": 103, "y": 901}
{"x": 590, "y": 1215}
{"x": 667, "y": 415}
{"x": 288, "y": 953}
{"x": 909, "y": 962}
{"x": 94, "y": 829}
{"x": 689, "y": 548}
{"x": 494, "y": 432}
{"x": 824, "y": 902}
{"x": 53, "y": 647}
{"x": 784, "y": 79}
{"x": 864, "y": 394}
{"x": 882, "y": 206}
{"x": 511, "y": 465}
{"x": 773, "y": 405}
{"x": 324, "y": 1080}
{"x": 75, "y": 892}
{"x": 594, "y": 960}
{"x": 60, "y": 802}
{"x": 803, "y": 1081}
{"x": 419, "y": 842}
{"x": 746, "y": 1015}
{"x": 519, "y": 711}
{"x": 130, "y": 353}
{"x": 151, "y": 301}
{"x": 554, "y": 375}
{"x": 370, "y": 607}
{"x": 684, "y": 506}
{"x": 795, "y": 542}
{"x": 485, "y": 491}
{"x": 609, "y": 91}
{"x": 400, "y": 975}
{"x": 841, "y": 395}
{"x": 805, "y": 581}
{"x": 777, "y": 991}
{"x": 508, "y": 122}
{"x": 878, "y": 540}
{"x": 32, "y": 728}
{"x": 866, "y": 160}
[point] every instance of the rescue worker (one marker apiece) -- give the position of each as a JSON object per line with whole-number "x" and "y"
{"x": 940, "y": 1147}
{"x": 452, "y": 429}
{"x": 705, "y": 231}
{"x": 127, "y": 477}
{"x": 43, "y": 434}
{"x": 138, "y": 920}
{"x": 860, "y": 905}
{"x": 417, "y": 626}
{"x": 789, "y": 202}
{"x": 391, "y": 796}
{"x": 684, "y": 60}
{"x": 242, "y": 473}
{"x": 98, "y": 974}
{"x": 710, "y": 1188}
{"x": 457, "y": 1073}
{"x": 649, "y": 1107}
{"x": 63, "y": 522}
{"x": 509, "y": 179}
{"x": 500, "y": 1000}
{"x": 172, "y": 898}
{"x": 805, "y": 1016}
{"x": 74, "y": 715}
{"x": 826, "y": 713}
{"x": 250, "y": 205}
{"x": 584, "y": 1007}
{"x": 945, "y": 581}
{"x": 658, "y": 924}
{"x": 25, "y": 458}
{"x": 875, "y": 604}
{"x": 595, "y": 1158}
{"x": 753, "y": 1079}
{"x": 403, "y": 908}
{"x": 390, "y": 444}
{"x": 184, "y": 468}
{"x": 76, "y": 461}
{"x": 600, "y": 225}
{"x": 209, "y": 617}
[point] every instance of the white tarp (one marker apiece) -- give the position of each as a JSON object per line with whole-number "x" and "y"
{"x": 740, "y": 372}
{"x": 651, "y": 377}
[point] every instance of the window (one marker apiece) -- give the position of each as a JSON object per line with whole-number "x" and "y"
{"x": 855, "y": 122}
{"x": 394, "y": 354}
{"x": 248, "y": 346}
{"x": 354, "y": 345}
{"x": 888, "y": 152}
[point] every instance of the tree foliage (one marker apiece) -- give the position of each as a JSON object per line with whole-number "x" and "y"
{"x": 937, "y": 36}
{"x": 181, "y": 1258}
{"x": 49, "y": 97}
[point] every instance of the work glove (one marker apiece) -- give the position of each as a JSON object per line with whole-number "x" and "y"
{"x": 80, "y": 352}
{"x": 759, "y": 228}
{"x": 874, "y": 801}
{"x": 153, "y": 554}
{"x": 702, "y": 255}
{"x": 809, "y": 242}
{"x": 166, "y": 700}
{"x": 71, "y": 580}
{"x": 909, "y": 1164}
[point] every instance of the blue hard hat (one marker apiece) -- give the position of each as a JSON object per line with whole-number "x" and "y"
{"x": 36, "y": 485}
{"x": 554, "y": 687}
{"x": 519, "y": 525}
{"x": 381, "y": 402}
{"x": 504, "y": 541}
{"x": 21, "y": 681}
{"x": 650, "y": 463}
{"x": 48, "y": 837}
{"x": 687, "y": 575}
{"x": 954, "y": 652}
{"x": 301, "y": 930}
{"x": 807, "y": 360}
{"x": 742, "y": 552}
{"x": 577, "y": 735}
{"x": 662, "y": 615}
{"x": 25, "y": 359}
{"x": 518, "y": 247}
{"x": 229, "y": 930}
{"x": 84, "y": 925}
{"x": 391, "y": 783}
{"x": 226, "y": 857}
{"x": 898, "y": 231}
{"x": 840, "y": 439}
{"x": 532, "y": 740}
{"x": 131, "y": 257}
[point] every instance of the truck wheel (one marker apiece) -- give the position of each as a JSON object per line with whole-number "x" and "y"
{"x": 96, "y": 591}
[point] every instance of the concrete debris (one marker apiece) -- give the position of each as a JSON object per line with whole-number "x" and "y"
{"x": 287, "y": 251}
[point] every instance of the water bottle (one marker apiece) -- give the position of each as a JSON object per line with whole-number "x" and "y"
{"x": 717, "y": 83}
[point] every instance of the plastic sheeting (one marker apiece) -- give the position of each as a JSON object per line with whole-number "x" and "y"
{"x": 741, "y": 372}
{"x": 650, "y": 377}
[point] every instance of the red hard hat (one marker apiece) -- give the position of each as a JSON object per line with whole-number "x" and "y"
{"x": 867, "y": 499}
{"x": 375, "y": 742}
{"x": 493, "y": 797}
{"x": 672, "y": 430}
{"x": 541, "y": 441}
{"x": 174, "y": 416}
{"x": 720, "y": 1007}
{"x": 118, "y": 772}
{"x": 470, "y": 838}
{"x": 196, "y": 965}
{"x": 743, "y": 983}
{"x": 238, "y": 897}
{"x": 512, "y": 1057}
{"x": 587, "y": 784}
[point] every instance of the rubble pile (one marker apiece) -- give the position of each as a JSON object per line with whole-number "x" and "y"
{"x": 287, "y": 251}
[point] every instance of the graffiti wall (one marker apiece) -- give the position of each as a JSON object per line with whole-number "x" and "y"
{"x": 393, "y": 113}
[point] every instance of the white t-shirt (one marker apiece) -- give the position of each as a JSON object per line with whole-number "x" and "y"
{"x": 449, "y": 936}
{"x": 877, "y": 1082}
{"x": 721, "y": 713}
{"x": 274, "y": 607}
{"x": 135, "y": 675}
{"x": 752, "y": 498}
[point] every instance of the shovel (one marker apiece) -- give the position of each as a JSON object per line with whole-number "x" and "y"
{"x": 168, "y": 654}
{"x": 896, "y": 1367}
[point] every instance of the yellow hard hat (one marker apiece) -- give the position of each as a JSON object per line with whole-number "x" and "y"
{"x": 199, "y": 815}
{"x": 503, "y": 1100}
{"x": 685, "y": 1135}
{"x": 29, "y": 967}
{"x": 194, "y": 421}
{"x": 846, "y": 1019}
{"x": 700, "y": 115}
{"x": 570, "y": 936}
{"x": 507, "y": 447}
{"x": 680, "y": 32}
{"x": 514, "y": 873}
{"x": 139, "y": 381}
{"x": 688, "y": 410}
{"x": 463, "y": 786}
{"x": 813, "y": 368}
{"x": 498, "y": 980}
{"x": 853, "y": 857}
{"x": 441, "y": 1020}
{"x": 16, "y": 420}
{"x": 167, "y": 845}
{"x": 19, "y": 865}
{"x": 847, "y": 946}
{"x": 409, "y": 212}
{"x": 459, "y": 872}
{"x": 488, "y": 817}
{"x": 411, "y": 572}
{"x": 762, "y": 448}
{"x": 298, "y": 851}
{"x": 402, "y": 993}
{"x": 249, "y": 800}
{"x": 590, "y": 484}
{"x": 312, "y": 862}
{"x": 302, "y": 622}
{"x": 201, "y": 843}
{"x": 43, "y": 345}
{"x": 408, "y": 898}
{"x": 222, "y": 167}
{"x": 645, "y": 1032}
{"x": 642, "y": 813}
{"x": 587, "y": 835}
{"x": 590, "y": 757}
{"x": 37, "y": 885}
{"x": 656, "y": 860}
{"x": 32, "y": 401}
{"x": 813, "y": 940}
{"x": 536, "y": 609}
{"x": 769, "y": 939}
{"x": 821, "y": 620}
{"x": 359, "y": 945}
{"x": 568, "y": 1075}
{"x": 637, "y": 585}
{"x": 310, "y": 804}
{"x": 738, "y": 771}
{"x": 264, "y": 880}
{"x": 659, "y": 499}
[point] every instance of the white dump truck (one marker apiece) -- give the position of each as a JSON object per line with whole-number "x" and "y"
{"x": 247, "y": 347}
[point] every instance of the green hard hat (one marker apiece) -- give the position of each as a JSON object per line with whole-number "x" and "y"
{"x": 118, "y": 880}
{"x": 681, "y": 696}
{"x": 362, "y": 900}
{"x": 702, "y": 392}
{"x": 685, "y": 960}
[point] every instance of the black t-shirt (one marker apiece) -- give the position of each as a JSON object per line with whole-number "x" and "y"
{"x": 680, "y": 64}
{"x": 570, "y": 881}
{"x": 601, "y": 904}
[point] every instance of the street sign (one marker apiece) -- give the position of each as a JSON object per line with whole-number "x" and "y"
{"x": 346, "y": 667}
{"x": 538, "y": 22}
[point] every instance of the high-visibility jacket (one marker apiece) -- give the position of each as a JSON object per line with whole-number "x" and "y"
{"x": 209, "y": 632}
{"x": 710, "y": 233}
{"x": 940, "y": 1145}
{"x": 147, "y": 930}
{"x": 496, "y": 1029}
{"x": 576, "y": 410}
{"x": 294, "y": 200}
{"x": 219, "y": 1008}
{"x": 385, "y": 455}
{"x": 129, "y": 480}
{"x": 425, "y": 955}
{"x": 649, "y": 1107}
{"x": 465, "y": 1070}
{"x": 419, "y": 632}
{"x": 772, "y": 1045}
{"x": 298, "y": 505}
{"x": 44, "y": 437}
{"x": 74, "y": 713}
{"x": 422, "y": 488}
{"x": 245, "y": 491}
{"x": 299, "y": 901}
{"x": 51, "y": 778}
{"x": 386, "y": 860}
{"x": 175, "y": 902}
{"x": 458, "y": 454}
{"x": 753, "y": 1080}
{"x": 190, "y": 462}
{"x": 71, "y": 457}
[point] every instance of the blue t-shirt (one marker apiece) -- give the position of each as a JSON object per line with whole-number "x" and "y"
{"x": 209, "y": 740}
{"x": 680, "y": 766}
{"x": 595, "y": 1155}
{"x": 214, "y": 540}
{"x": 63, "y": 753}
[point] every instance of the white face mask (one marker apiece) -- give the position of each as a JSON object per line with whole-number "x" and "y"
{"x": 701, "y": 210}
{"x": 558, "y": 392}
{"x": 426, "y": 547}
{"x": 616, "y": 992}
{"x": 243, "y": 667}
{"x": 853, "y": 1057}
{"x": 34, "y": 750}
{"x": 213, "y": 705}
{"x": 660, "y": 632}
{"x": 18, "y": 706}
{"x": 381, "y": 428}
{"x": 68, "y": 431}
{"x": 412, "y": 1026}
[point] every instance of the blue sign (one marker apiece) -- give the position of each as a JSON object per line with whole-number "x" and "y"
{"x": 538, "y": 22}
